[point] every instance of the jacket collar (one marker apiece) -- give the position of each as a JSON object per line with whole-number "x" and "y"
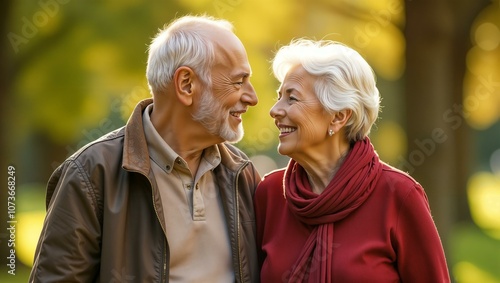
{"x": 135, "y": 149}
{"x": 231, "y": 157}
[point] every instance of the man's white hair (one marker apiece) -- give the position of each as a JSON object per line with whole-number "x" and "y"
{"x": 183, "y": 42}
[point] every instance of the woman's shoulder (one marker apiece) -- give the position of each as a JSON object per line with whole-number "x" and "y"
{"x": 398, "y": 181}
{"x": 273, "y": 176}
{"x": 398, "y": 175}
{"x": 271, "y": 183}
{"x": 398, "y": 187}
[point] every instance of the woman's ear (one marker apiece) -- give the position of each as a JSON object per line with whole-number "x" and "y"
{"x": 340, "y": 119}
{"x": 184, "y": 80}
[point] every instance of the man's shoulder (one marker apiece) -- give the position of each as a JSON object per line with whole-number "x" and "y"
{"x": 109, "y": 145}
{"x": 235, "y": 150}
{"x": 232, "y": 157}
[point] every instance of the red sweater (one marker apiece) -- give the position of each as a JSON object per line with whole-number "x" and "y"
{"x": 390, "y": 238}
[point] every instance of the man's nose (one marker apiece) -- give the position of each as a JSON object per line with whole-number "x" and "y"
{"x": 249, "y": 96}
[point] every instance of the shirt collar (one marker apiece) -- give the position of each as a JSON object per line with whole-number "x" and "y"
{"x": 163, "y": 155}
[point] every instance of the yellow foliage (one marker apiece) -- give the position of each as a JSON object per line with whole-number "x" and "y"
{"x": 487, "y": 36}
{"x": 389, "y": 140}
{"x": 29, "y": 226}
{"x": 483, "y": 190}
{"x": 466, "y": 272}
{"x": 195, "y": 4}
{"x": 482, "y": 79}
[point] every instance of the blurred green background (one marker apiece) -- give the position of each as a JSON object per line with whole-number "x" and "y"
{"x": 73, "y": 70}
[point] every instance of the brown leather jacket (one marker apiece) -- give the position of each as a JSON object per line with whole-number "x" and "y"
{"x": 105, "y": 219}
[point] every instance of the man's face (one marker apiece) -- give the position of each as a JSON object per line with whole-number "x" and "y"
{"x": 222, "y": 104}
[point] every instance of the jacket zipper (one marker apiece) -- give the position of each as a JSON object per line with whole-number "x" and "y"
{"x": 240, "y": 264}
{"x": 164, "y": 272}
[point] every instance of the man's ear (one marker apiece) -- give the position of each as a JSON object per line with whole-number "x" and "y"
{"x": 340, "y": 118}
{"x": 184, "y": 79}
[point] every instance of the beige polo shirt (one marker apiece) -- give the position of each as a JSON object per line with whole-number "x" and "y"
{"x": 195, "y": 223}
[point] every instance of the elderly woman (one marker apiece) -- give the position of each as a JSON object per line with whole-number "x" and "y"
{"x": 337, "y": 213}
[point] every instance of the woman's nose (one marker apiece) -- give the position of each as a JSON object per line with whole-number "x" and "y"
{"x": 276, "y": 110}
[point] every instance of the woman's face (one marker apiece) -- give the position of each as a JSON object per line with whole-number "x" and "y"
{"x": 300, "y": 117}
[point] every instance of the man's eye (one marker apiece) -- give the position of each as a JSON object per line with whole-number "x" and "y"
{"x": 292, "y": 98}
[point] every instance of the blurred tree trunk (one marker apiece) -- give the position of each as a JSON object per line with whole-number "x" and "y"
{"x": 437, "y": 40}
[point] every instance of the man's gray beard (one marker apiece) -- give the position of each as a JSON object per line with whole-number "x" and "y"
{"x": 208, "y": 114}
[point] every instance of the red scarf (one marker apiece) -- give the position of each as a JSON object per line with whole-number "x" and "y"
{"x": 350, "y": 187}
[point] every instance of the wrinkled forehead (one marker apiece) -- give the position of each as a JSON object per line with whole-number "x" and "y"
{"x": 297, "y": 74}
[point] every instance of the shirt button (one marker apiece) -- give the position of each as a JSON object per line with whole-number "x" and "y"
{"x": 188, "y": 186}
{"x": 168, "y": 167}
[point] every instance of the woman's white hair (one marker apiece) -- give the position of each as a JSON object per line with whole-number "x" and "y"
{"x": 184, "y": 42}
{"x": 344, "y": 80}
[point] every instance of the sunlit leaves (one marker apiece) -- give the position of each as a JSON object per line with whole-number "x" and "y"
{"x": 482, "y": 80}
{"x": 484, "y": 200}
{"x": 467, "y": 272}
{"x": 370, "y": 27}
{"x": 390, "y": 141}
{"x": 76, "y": 66}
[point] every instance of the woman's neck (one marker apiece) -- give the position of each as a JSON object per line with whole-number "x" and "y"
{"x": 320, "y": 171}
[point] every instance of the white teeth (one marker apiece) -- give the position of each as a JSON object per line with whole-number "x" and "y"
{"x": 287, "y": 130}
{"x": 235, "y": 114}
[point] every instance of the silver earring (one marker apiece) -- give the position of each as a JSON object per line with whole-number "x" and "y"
{"x": 331, "y": 132}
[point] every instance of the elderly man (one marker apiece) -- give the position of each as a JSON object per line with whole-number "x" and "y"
{"x": 166, "y": 198}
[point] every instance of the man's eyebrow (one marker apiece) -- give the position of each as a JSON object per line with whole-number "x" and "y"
{"x": 242, "y": 75}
